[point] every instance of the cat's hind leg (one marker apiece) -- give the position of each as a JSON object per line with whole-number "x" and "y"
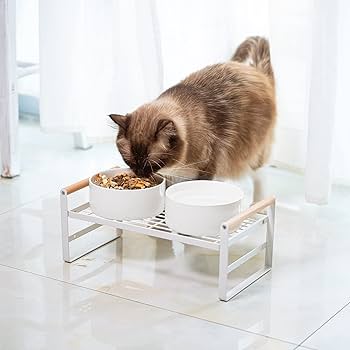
{"x": 259, "y": 183}
{"x": 259, "y": 173}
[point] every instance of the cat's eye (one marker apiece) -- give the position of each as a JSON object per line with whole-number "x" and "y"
{"x": 172, "y": 141}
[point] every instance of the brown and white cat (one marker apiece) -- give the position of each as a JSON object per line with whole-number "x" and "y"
{"x": 219, "y": 121}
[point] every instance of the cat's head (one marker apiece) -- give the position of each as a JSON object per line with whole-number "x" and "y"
{"x": 148, "y": 140}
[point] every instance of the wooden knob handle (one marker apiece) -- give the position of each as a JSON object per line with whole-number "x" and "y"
{"x": 236, "y": 221}
{"x": 76, "y": 187}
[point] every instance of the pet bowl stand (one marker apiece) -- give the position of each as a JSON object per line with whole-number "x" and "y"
{"x": 261, "y": 214}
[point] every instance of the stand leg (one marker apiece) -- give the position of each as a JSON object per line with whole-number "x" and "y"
{"x": 223, "y": 263}
{"x": 225, "y": 268}
{"x": 270, "y": 235}
{"x": 67, "y": 238}
{"x": 64, "y": 226}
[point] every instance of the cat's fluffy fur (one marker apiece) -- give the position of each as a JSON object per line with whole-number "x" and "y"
{"x": 218, "y": 121}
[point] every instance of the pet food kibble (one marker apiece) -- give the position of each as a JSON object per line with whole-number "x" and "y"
{"x": 124, "y": 181}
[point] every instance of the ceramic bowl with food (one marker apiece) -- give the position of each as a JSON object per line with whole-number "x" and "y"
{"x": 126, "y": 200}
{"x": 198, "y": 208}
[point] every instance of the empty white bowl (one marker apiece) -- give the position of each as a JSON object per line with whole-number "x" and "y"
{"x": 198, "y": 208}
{"x": 126, "y": 204}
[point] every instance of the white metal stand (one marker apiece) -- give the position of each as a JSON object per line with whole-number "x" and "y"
{"x": 261, "y": 214}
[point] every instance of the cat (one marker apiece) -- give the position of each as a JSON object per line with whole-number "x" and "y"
{"x": 219, "y": 121}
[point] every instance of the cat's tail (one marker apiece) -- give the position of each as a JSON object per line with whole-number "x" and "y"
{"x": 255, "y": 51}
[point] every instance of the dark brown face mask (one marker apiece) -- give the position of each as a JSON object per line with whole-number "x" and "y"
{"x": 146, "y": 143}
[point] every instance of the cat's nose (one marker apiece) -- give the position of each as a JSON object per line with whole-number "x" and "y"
{"x": 147, "y": 172}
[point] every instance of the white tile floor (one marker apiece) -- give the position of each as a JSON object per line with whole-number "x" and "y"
{"x": 145, "y": 293}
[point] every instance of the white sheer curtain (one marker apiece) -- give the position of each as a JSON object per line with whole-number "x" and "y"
{"x": 108, "y": 56}
{"x": 97, "y": 57}
{"x": 322, "y": 101}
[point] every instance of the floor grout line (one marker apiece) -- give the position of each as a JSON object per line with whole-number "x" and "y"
{"x": 324, "y": 323}
{"x": 149, "y": 305}
{"x": 301, "y": 347}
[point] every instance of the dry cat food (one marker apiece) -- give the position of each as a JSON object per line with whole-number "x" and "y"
{"x": 124, "y": 181}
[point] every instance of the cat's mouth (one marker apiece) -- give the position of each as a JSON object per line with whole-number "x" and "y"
{"x": 147, "y": 169}
{"x": 141, "y": 173}
{"x": 145, "y": 172}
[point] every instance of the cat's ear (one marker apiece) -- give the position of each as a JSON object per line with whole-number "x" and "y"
{"x": 166, "y": 127}
{"x": 121, "y": 120}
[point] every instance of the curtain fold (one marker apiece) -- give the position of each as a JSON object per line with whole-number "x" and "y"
{"x": 318, "y": 172}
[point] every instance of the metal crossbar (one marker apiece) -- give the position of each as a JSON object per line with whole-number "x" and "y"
{"x": 237, "y": 228}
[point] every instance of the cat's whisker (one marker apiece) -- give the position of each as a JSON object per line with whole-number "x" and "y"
{"x": 155, "y": 162}
{"x": 152, "y": 177}
{"x": 144, "y": 165}
{"x": 177, "y": 161}
{"x": 155, "y": 153}
{"x": 150, "y": 165}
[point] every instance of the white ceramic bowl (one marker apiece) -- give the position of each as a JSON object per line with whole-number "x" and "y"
{"x": 198, "y": 208}
{"x": 126, "y": 204}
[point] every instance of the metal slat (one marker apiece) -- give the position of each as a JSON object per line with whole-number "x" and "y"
{"x": 83, "y": 232}
{"x": 246, "y": 283}
{"x": 246, "y": 257}
{"x": 80, "y": 208}
{"x": 70, "y": 260}
{"x": 126, "y": 225}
